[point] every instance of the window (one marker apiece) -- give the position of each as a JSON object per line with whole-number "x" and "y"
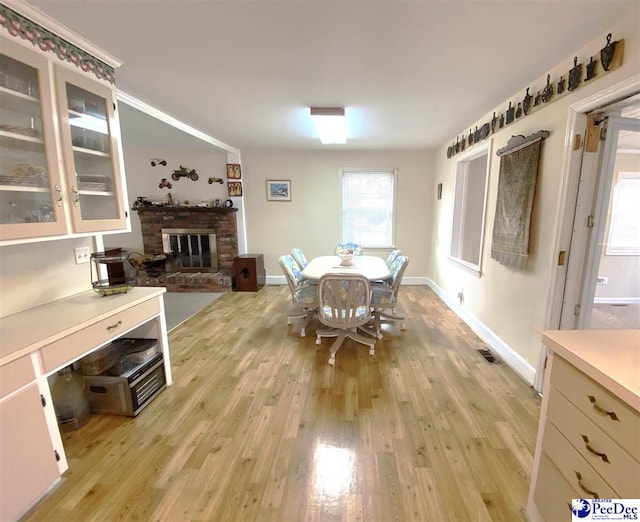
{"x": 624, "y": 230}
{"x": 368, "y": 210}
{"x": 470, "y": 196}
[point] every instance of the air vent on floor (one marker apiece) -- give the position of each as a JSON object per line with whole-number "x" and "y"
{"x": 489, "y": 357}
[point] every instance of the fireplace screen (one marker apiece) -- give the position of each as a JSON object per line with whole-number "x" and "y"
{"x": 191, "y": 248}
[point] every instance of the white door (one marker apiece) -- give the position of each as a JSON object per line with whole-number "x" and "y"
{"x": 602, "y": 289}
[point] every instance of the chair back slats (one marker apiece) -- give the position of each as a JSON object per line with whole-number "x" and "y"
{"x": 392, "y": 257}
{"x": 348, "y": 248}
{"x": 345, "y": 300}
{"x": 299, "y": 257}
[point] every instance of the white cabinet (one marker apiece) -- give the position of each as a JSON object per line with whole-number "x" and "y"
{"x": 589, "y": 434}
{"x": 60, "y": 166}
{"x": 31, "y": 450}
{"x": 29, "y": 464}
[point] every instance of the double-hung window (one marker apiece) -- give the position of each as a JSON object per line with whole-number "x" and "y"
{"x": 368, "y": 206}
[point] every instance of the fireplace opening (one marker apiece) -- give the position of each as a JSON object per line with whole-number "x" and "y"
{"x": 190, "y": 249}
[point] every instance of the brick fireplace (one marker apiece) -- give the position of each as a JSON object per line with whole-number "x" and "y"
{"x": 220, "y": 220}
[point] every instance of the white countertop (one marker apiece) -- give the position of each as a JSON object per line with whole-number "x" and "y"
{"x": 609, "y": 357}
{"x": 31, "y": 329}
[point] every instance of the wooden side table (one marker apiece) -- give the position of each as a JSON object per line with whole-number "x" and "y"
{"x": 248, "y": 272}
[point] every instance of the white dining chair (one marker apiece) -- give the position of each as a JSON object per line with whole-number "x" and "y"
{"x": 384, "y": 298}
{"x": 344, "y": 305}
{"x": 304, "y": 297}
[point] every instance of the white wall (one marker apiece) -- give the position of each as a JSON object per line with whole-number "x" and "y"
{"x": 510, "y": 304}
{"x": 311, "y": 221}
{"x": 37, "y": 273}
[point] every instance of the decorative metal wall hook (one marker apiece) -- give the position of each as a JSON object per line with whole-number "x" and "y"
{"x": 607, "y": 52}
{"x": 526, "y": 103}
{"x": 591, "y": 69}
{"x": 574, "y": 75}
{"x": 547, "y": 92}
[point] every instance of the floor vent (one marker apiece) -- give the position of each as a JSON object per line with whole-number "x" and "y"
{"x": 489, "y": 357}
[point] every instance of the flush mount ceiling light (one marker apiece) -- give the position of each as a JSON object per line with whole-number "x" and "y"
{"x": 330, "y": 124}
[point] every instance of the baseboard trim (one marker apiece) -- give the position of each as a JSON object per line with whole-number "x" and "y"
{"x": 502, "y": 349}
{"x": 616, "y": 300}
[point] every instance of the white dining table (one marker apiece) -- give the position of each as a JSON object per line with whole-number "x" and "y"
{"x": 372, "y": 267}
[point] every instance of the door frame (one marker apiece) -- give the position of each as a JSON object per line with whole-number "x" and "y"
{"x": 565, "y": 209}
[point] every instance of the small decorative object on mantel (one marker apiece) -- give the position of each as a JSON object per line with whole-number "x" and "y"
{"x": 211, "y": 181}
{"x": 158, "y": 161}
{"x": 611, "y": 57}
{"x": 184, "y": 172}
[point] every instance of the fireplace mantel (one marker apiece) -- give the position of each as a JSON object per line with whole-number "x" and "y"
{"x": 167, "y": 209}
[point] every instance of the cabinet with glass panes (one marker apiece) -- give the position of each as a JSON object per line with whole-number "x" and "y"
{"x": 56, "y": 180}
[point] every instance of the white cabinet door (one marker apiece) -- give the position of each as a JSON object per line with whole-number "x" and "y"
{"x": 31, "y": 203}
{"x": 28, "y": 461}
{"x": 91, "y": 152}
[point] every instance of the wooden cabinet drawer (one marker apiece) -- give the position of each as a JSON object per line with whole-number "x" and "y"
{"x": 622, "y": 424}
{"x": 72, "y": 347}
{"x": 16, "y": 374}
{"x": 574, "y": 468}
{"x": 553, "y": 493}
{"x": 614, "y": 464}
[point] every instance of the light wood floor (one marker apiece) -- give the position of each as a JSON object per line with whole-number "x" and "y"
{"x": 258, "y": 427}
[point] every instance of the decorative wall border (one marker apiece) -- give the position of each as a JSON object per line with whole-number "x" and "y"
{"x": 20, "y": 27}
{"x": 608, "y": 59}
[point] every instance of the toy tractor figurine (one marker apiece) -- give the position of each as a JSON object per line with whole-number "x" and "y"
{"x": 184, "y": 172}
{"x": 215, "y": 180}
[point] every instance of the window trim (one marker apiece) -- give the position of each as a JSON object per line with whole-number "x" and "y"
{"x": 378, "y": 170}
{"x": 466, "y": 158}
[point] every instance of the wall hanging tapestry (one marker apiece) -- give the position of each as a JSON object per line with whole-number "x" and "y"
{"x": 516, "y": 189}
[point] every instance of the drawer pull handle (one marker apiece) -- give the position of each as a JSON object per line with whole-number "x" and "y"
{"x": 601, "y": 410}
{"x": 583, "y": 488}
{"x": 603, "y": 456}
{"x": 114, "y": 325}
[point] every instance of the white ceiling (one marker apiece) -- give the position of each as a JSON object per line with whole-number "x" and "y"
{"x": 411, "y": 74}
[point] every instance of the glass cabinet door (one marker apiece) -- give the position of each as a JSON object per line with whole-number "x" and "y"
{"x": 91, "y": 153}
{"x": 30, "y": 192}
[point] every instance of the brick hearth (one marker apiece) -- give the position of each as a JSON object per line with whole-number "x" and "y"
{"x": 222, "y": 220}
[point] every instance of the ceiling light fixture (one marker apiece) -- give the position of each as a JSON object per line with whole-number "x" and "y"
{"x": 330, "y": 124}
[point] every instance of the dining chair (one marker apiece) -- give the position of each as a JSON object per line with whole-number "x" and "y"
{"x": 384, "y": 298}
{"x": 299, "y": 257}
{"x": 348, "y": 248}
{"x": 304, "y": 297}
{"x": 345, "y": 305}
{"x": 389, "y": 261}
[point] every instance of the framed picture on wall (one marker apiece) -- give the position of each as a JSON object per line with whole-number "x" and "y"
{"x": 235, "y": 188}
{"x": 278, "y": 190}
{"x": 233, "y": 171}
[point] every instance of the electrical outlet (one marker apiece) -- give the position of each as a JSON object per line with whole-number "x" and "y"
{"x": 82, "y": 255}
{"x": 603, "y": 280}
